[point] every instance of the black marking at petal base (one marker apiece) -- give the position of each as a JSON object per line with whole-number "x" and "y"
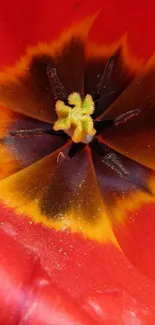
{"x": 67, "y": 188}
{"x": 55, "y": 202}
{"x": 69, "y": 64}
{"x": 99, "y": 147}
{"x": 38, "y": 73}
{"x": 100, "y": 126}
{"x": 39, "y": 84}
{"x": 30, "y": 92}
{"x": 75, "y": 147}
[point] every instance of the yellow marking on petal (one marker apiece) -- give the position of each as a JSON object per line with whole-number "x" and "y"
{"x": 100, "y": 230}
{"x": 6, "y": 118}
{"x": 79, "y": 30}
{"x": 8, "y": 163}
{"x": 132, "y": 202}
{"x": 76, "y": 121}
{"x": 98, "y": 51}
{"x": 96, "y": 227}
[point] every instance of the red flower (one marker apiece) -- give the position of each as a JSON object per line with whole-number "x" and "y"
{"x": 77, "y": 209}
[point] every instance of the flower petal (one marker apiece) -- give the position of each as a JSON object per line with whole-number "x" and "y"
{"x": 112, "y": 78}
{"x": 26, "y": 24}
{"x": 105, "y": 44}
{"x": 79, "y": 266}
{"x": 28, "y": 91}
{"x": 118, "y": 307}
{"x": 27, "y": 290}
{"x": 128, "y": 190}
{"x": 135, "y": 136}
{"x": 26, "y": 87}
{"x": 113, "y": 34}
{"x": 61, "y": 193}
{"x": 19, "y": 151}
{"x": 115, "y": 27}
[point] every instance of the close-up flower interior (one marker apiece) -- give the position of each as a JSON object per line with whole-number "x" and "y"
{"x": 77, "y": 162}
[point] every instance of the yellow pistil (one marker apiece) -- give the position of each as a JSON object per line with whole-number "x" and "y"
{"x": 76, "y": 121}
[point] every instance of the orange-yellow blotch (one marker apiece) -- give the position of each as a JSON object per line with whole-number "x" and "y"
{"x": 77, "y": 121}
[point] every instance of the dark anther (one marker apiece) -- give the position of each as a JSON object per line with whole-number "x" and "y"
{"x": 58, "y": 89}
{"x": 105, "y": 78}
{"x": 75, "y": 147}
{"x": 110, "y": 159}
{"x": 112, "y": 92}
{"x": 113, "y": 161}
{"x": 123, "y": 118}
{"x": 99, "y": 93}
{"x": 100, "y": 126}
{"x": 38, "y": 131}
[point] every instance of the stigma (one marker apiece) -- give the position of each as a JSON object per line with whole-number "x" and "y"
{"x": 75, "y": 118}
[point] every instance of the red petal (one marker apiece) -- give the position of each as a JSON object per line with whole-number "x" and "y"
{"x": 129, "y": 25}
{"x": 28, "y": 23}
{"x": 27, "y": 293}
{"x": 128, "y": 191}
{"x": 51, "y": 192}
{"x": 136, "y": 236}
{"x": 25, "y": 87}
{"x": 117, "y": 307}
{"x": 80, "y": 267}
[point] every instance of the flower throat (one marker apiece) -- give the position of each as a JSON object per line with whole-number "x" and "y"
{"x": 77, "y": 116}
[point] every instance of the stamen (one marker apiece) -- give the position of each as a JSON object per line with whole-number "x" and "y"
{"x": 100, "y": 126}
{"x": 113, "y": 160}
{"x": 100, "y": 91}
{"x": 112, "y": 92}
{"x": 105, "y": 78}
{"x": 123, "y": 118}
{"x": 34, "y": 132}
{"x": 76, "y": 121}
{"x": 58, "y": 89}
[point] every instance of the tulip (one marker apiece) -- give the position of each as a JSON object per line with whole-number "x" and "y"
{"x": 77, "y": 163}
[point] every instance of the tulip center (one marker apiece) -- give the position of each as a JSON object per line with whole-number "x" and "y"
{"x": 75, "y": 118}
